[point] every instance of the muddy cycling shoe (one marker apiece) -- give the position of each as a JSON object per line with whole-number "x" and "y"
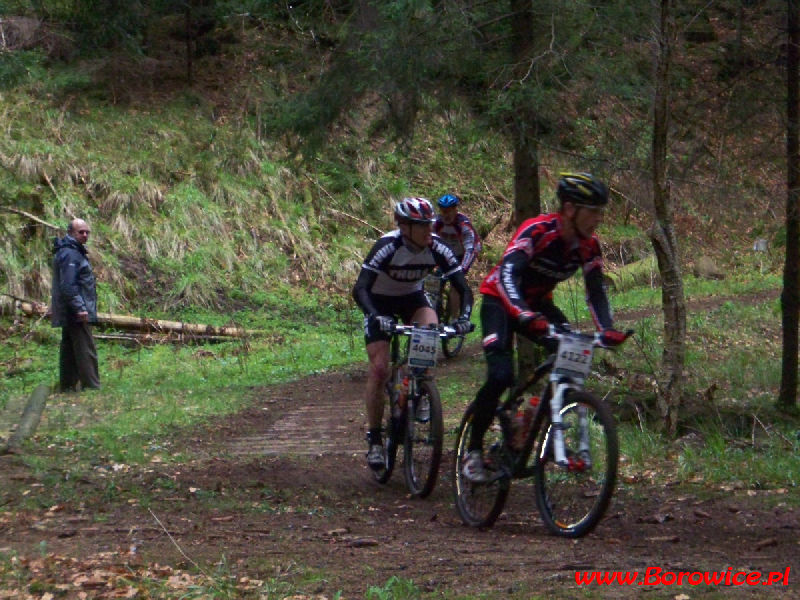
{"x": 473, "y": 468}
{"x": 423, "y": 410}
{"x": 376, "y": 457}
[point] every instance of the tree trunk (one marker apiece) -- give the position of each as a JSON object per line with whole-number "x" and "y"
{"x": 189, "y": 50}
{"x": 526, "y": 158}
{"x": 662, "y": 235}
{"x": 526, "y": 154}
{"x": 790, "y": 297}
{"x": 526, "y": 174}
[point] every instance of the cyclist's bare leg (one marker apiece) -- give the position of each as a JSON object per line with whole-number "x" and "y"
{"x": 454, "y": 303}
{"x": 424, "y": 316}
{"x": 378, "y": 354}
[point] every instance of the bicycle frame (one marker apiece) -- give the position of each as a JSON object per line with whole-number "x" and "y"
{"x": 434, "y": 287}
{"x": 558, "y": 388}
{"x": 415, "y": 417}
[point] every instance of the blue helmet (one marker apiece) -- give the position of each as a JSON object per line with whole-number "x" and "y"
{"x": 448, "y": 200}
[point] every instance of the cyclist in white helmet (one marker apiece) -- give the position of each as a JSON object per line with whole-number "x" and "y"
{"x": 389, "y": 287}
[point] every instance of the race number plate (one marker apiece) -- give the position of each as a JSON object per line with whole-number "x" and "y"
{"x": 574, "y": 358}
{"x": 422, "y": 350}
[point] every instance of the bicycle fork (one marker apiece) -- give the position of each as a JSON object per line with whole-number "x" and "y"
{"x": 582, "y": 460}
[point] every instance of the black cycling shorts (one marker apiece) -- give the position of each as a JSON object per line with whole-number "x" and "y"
{"x": 402, "y": 307}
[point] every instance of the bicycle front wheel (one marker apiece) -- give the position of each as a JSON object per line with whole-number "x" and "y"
{"x": 423, "y": 440}
{"x": 479, "y": 504}
{"x": 572, "y": 498}
{"x": 451, "y": 346}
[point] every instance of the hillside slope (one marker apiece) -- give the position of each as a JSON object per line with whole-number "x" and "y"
{"x": 194, "y": 207}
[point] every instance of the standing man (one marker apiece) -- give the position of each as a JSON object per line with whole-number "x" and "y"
{"x": 74, "y": 307}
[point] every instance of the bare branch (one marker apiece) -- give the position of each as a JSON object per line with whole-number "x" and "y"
{"x": 28, "y": 215}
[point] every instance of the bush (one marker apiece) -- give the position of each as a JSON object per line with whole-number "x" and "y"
{"x": 17, "y": 66}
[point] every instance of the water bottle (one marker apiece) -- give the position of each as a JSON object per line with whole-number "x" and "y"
{"x": 522, "y": 422}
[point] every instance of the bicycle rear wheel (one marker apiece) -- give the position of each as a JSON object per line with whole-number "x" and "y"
{"x": 392, "y": 438}
{"x": 423, "y": 440}
{"x": 573, "y": 499}
{"x": 451, "y": 346}
{"x": 479, "y": 504}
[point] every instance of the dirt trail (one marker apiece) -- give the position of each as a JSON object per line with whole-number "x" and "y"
{"x": 281, "y": 492}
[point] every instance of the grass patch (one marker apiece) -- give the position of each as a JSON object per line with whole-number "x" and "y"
{"x": 769, "y": 461}
{"x": 151, "y": 391}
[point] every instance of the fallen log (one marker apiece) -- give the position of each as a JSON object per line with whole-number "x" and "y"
{"x": 28, "y": 215}
{"x": 147, "y": 339}
{"x": 144, "y": 324}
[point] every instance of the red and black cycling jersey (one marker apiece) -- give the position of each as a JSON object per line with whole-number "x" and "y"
{"x": 538, "y": 258}
{"x": 393, "y": 269}
{"x": 461, "y": 237}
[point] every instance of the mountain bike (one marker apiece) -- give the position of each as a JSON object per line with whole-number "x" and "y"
{"x": 571, "y": 449}
{"x": 413, "y": 417}
{"x": 437, "y": 289}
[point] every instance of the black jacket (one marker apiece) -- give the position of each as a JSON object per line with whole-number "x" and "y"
{"x": 74, "y": 287}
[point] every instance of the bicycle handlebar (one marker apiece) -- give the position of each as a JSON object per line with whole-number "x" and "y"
{"x": 558, "y": 332}
{"x": 445, "y": 331}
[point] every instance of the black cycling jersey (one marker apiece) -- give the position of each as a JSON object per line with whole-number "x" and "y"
{"x": 393, "y": 269}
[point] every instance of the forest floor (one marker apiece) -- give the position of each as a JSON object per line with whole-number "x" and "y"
{"x": 281, "y": 492}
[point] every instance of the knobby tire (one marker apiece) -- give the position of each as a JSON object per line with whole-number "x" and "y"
{"x": 392, "y": 438}
{"x": 423, "y": 441}
{"x": 479, "y": 504}
{"x": 451, "y": 346}
{"x": 572, "y": 502}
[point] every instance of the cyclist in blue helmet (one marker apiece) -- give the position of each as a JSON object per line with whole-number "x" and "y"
{"x": 456, "y": 231}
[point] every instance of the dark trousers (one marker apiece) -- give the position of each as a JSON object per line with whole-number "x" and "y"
{"x": 77, "y": 358}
